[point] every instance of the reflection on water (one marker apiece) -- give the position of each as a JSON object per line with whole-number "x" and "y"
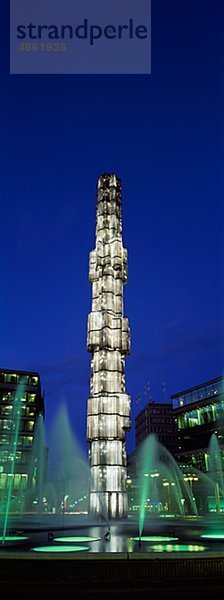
{"x": 81, "y": 538}
{"x": 155, "y": 538}
{"x": 161, "y": 535}
{"x": 178, "y": 548}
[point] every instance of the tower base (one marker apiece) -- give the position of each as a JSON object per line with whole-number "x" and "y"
{"x": 109, "y": 505}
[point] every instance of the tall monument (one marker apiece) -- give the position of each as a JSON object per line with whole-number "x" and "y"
{"x": 108, "y": 340}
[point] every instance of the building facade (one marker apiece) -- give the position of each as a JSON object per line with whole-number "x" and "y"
{"x": 157, "y": 418}
{"x": 108, "y": 340}
{"x": 197, "y": 446}
{"x": 21, "y": 404}
{"x": 199, "y": 413}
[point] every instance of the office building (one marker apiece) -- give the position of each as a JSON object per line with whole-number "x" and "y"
{"x": 157, "y": 418}
{"x": 21, "y": 404}
{"x": 199, "y": 412}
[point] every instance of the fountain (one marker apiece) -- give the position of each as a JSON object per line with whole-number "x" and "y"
{"x": 38, "y": 462}
{"x": 212, "y": 493}
{"x": 68, "y": 466}
{"x": 16, "y": 418}
{"x": 58, "y": 503}
{"x": 63, "y": 533}
{"x": 209, "y": 486}
{"x": 159, "y": 470}
{"x": 215, "y": 469}
{"x": 66, "y": 486}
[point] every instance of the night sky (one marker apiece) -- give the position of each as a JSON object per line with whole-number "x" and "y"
{"x": 163, "y": 135}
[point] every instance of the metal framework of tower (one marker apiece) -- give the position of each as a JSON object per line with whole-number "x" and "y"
{"x": 108, "y": 339}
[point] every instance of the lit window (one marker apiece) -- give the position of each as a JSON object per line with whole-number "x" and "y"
{"x": 31, "y": 397}
{"x": 33, "y": 380}
{"x": 30, "y": 426}
{"x": 10, "y": 377}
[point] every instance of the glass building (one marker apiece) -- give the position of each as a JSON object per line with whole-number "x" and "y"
{"x": 21, "y": 404}
{"x": 199, "y": 412}
{"x": 108, "y": 340}
{"x": 194, "y": 435}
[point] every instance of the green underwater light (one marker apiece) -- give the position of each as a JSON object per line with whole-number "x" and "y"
{"x": 60, "y": 548}
{"x": 77, "y": 539}
{"x": 154, "y": 538}
{"x": 178, "y": 548}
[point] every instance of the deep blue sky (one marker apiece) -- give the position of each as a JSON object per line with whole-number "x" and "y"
{"x": 163, "y": 135}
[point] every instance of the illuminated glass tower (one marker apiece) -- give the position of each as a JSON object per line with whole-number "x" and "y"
{"x": 108, "y": 340}
{"x": 26, "y": 472}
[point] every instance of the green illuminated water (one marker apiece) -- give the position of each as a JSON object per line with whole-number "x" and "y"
{"x": 215, "y": 469}
{"x": 211, "y": 482}
{"x": 37, "y": 463}
{"x": 68, "y": 468}
{"x": 60, "y": 548}
{"x": 161, "y": 480}
{"x": 16, "y": 417}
